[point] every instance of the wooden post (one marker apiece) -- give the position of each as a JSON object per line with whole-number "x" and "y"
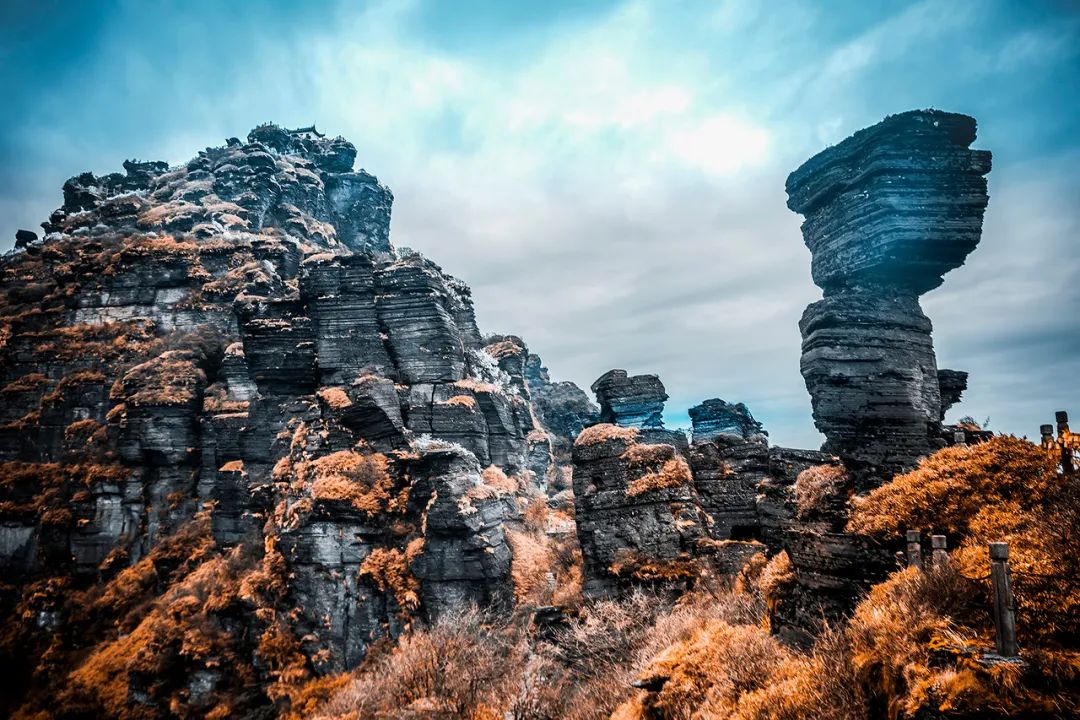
{"x": 1062, "y": 418}
{"x": 959, "y": 438}
{"x": 940, "y": 557}
{"x": 1004, "y": 602}
{"x": 914, "y": 549}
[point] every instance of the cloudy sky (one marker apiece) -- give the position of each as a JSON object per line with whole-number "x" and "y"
{"x": 607, "y": 176}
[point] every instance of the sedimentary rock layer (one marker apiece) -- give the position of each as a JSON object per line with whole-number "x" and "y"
{"x": 636, "y": 401}
{"x": 889, "y": 212}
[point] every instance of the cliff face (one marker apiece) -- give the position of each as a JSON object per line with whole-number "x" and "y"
{"x": 888, "y": 212}
{"x": 234, "y": 347}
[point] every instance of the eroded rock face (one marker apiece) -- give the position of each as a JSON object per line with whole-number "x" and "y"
{"x": 951, "y": 385}
{"x": 562, "y": 406}
{"x": 715, "y": 417}
{"x": 888, "y": 212}
{"x": 637, "y": 512}
{"x": 636, "y": 401}
{"x": 233, "y": 344}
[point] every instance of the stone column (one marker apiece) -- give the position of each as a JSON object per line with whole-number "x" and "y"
{"x": 888, "y": 212}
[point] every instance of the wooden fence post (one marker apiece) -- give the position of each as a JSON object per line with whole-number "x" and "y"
{"x": 1004, "y": 602}
{"x": 940, "y": 557}
{"x": 914, "y": 549}
{"x": 1062, "y": 418}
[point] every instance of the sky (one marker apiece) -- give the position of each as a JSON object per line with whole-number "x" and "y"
{"x": 608, "y": 177}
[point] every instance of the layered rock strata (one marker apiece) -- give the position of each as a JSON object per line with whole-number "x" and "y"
{"x": 888, "y": 212}
{"x": 714, "y": 417}
{"x": 630, "y": 401}
{"x": 232, "y": 352}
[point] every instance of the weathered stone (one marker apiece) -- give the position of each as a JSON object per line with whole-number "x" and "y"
{"x": 888, "y": 212}
{"x": 636, "y": 401}
{"x": 637, "y": 512}
{"x": 897, "y": 204}
{"x": 562, "y": 407}
{"x": 951, "y": 384}
{"x": 869, "y": 365}
{"x": 715, "y": 417}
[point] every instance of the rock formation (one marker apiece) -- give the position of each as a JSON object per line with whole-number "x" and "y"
{"x": 715, "y": 417}
{"x": 951, "y": 384}
{"x": 231, "y": 352}
{"x": 563, "y": 407}
{"x": 636, "y": 401}
{"x": 887, "y": 213}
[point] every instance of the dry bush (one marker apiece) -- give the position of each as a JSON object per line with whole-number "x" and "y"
{"x": 674, "y": 473}
{"x": 464, "y": 400}
{"x": 1003, "y": 490}
{"x": 632, "y": 564}
{"x": 466, "y": 665}
{"x": 949, "y": 488}
{"x": 532, "y": 569}
{"x": 709, "y": 671}
{"x": 335, "y": 398}
{"x": 817, "y": 484}
{"x": 494, "y": 477}
{"x": 777, "y": 579}
{"x": 596, "y": 434}
{"x": 388, "y": 570}
{"x": 361, "y": 480}
{"x": 172, "y": 378}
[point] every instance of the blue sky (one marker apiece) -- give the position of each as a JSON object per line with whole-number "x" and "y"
{"x": 608, "y": 177}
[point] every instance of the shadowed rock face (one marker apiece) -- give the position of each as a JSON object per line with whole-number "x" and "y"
{"x": 889, "y": 212}
{"x": 564, "y": 408}
{"x": 952, "y": 383}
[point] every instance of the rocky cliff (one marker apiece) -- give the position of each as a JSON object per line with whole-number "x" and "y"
{"x": 232, "y": 352}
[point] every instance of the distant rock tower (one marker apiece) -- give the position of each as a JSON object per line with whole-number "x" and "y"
{"x": 887, "y": 212}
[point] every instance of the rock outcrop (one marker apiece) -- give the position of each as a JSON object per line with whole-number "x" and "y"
{"x": 888, "y": 212}
{"x": 232, "y": 351}
{"x": 636, "y": 401}
{"x": 638, "y": 515}
{"x": 714, "y": 417}
{"x": 951, "y": 386}
{"x": 563, "y": 407}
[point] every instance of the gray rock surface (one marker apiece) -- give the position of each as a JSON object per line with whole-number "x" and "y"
{"x": 636, "y": 401}
{"x": 888, "y": 212}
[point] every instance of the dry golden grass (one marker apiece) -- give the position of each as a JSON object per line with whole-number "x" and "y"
{"x": 463, "y": 400}
{"x": 674, "y": 473}
{"x": 362, "y": 480}
{"x": 596, "y": 434}
{"x": 388, "y": 570}
{"x": 817, "y": 484}
{"x": 172, "y": 378}
{"x": 335, "y": 398}
{"x": 631, "y": 564}
{"x": 494, "y": 477}
{"x": 950, "y": 488}
{"x": 1004, "y": 489}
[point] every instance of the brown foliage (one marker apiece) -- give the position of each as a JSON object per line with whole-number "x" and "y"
{"x": 388, "y": 570}
{"x": 362, "y": 480}
{"x": 1005, "y": 489}
{"x": 817, "y": 484}
{"x": 596, "y": 434}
